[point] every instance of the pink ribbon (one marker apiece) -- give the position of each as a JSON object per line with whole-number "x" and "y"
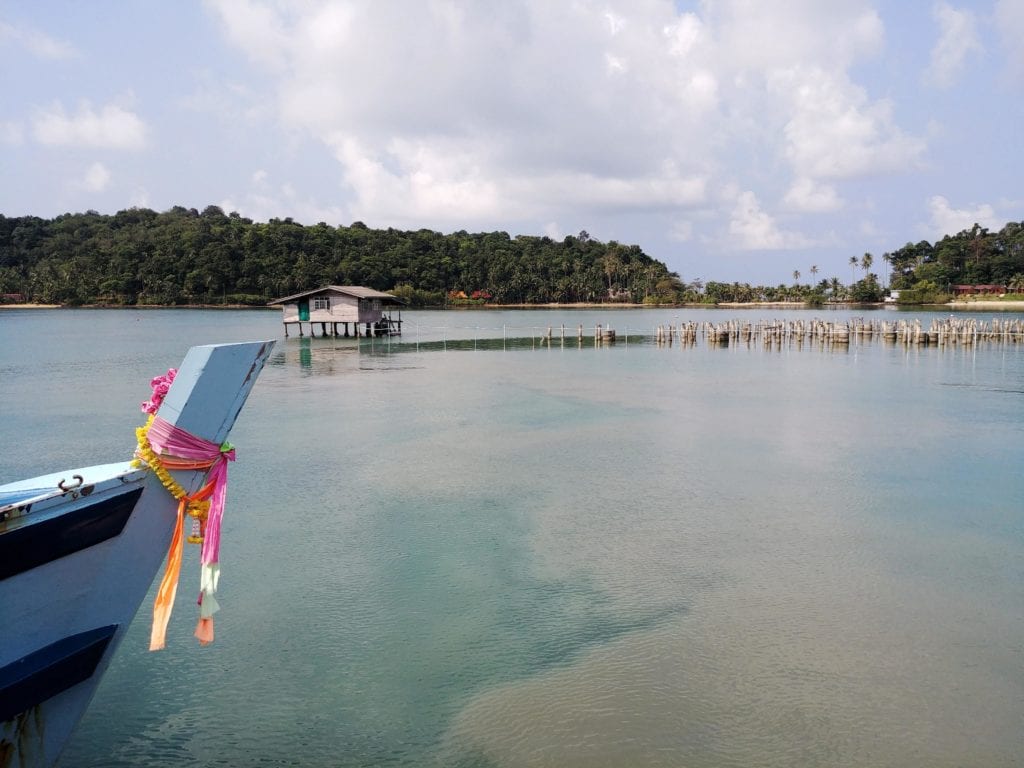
{"x": 165, "y": 438}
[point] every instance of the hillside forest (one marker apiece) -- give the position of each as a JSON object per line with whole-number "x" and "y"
{"x": 186, "y": 257}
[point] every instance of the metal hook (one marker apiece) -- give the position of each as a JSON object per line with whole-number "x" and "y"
{"x": 65, "y": 488}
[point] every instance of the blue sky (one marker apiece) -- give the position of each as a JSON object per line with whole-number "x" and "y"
{"x": 733, "y": 140}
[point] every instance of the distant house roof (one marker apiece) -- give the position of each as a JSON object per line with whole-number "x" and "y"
{"x": 356, "y": 291}
{"x": 988, "y": 288}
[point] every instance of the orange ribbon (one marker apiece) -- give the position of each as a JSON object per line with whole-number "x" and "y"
{"x": 164, "y": 602}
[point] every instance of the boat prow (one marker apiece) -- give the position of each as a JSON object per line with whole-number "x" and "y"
{"x": 79, "y": 550}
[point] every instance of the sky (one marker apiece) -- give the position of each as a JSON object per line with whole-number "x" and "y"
{"x": 734, "y": 140}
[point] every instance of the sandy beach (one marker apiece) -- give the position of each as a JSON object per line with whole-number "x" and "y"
{"x": 1015, "y": 305}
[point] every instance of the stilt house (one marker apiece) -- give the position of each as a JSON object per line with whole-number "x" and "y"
{"x": 364, "y": 310}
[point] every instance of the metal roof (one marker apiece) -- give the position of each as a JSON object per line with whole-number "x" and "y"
{"x": 357, "y": 291}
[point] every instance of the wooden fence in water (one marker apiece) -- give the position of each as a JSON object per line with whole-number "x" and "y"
{"x": 962, "y": 332}
{"x": 951, "y": 331}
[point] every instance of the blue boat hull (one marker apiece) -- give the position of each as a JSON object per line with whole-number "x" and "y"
{"x": 78, "y": 553}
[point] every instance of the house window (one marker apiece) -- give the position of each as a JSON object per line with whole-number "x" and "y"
{"x": 321, "y": 302}
{"x": 376, "y": 305}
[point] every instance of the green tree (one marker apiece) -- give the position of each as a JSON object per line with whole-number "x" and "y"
{"x": 867, "y": 290}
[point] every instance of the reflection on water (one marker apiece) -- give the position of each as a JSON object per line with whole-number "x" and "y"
{"x": 596, "y": 557}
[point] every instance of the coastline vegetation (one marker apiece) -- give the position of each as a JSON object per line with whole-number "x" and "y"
{"x": 182, "y": 256}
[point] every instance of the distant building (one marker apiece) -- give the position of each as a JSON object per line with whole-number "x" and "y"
{"x": 978, "y": 290}
{"x": 342, "y": 305}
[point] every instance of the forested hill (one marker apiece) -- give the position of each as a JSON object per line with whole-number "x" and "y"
{"x": 182, "y": 256}
{"x": 974, "y": 256}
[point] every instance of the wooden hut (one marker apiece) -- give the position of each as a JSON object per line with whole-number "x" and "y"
{"x": 346, "y": 306}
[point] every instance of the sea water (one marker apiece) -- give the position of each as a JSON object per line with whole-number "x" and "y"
{"x": 523, "y": 555}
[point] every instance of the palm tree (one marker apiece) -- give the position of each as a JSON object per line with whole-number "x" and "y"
{"x": 796, "y": 275}
{"x": 612, "y": 264}
{"x": 854, "y": 261}
{"x": 866, "y": 262}
{"x": 814, "y": 270}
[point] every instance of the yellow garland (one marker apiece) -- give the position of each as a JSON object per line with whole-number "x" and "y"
{"x": 146, "y": 454}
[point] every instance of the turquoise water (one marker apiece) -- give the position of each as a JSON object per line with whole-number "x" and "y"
{"x": 624, "y": 556}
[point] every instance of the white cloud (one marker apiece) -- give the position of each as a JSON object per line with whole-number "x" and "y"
{"x": 38, "y": 44}
{"x": 536, "y": 111}
{"x": 266, "y": 200}
{"x": 833, "y": 132}
{"x": 417, "y": 180}
{"x": 684, "y": 35}
{"x": 96, "y": 178}
{"x": 752, "y": 229}
{"x": 1009, "y": 16}
{"x": 544, "y": 101}
{"x": 958, "y": 38}
{"x": 615, "y": 22}
{"x": 810, "y": 197}
{"x": 764, "y": 36}
{"x": 253, "y": 27}
{"x": 110, "y": 128}
{"x": 946, "y": 220}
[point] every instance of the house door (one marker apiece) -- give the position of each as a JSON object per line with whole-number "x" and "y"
{"x": 304, "y": 309}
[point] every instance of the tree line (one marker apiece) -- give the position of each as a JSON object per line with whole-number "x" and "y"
{"x": 186, "y": 257}
{"x": 923, "y": 272}
{"x": 975, "y": 256}
{"x": 182, "y": 256}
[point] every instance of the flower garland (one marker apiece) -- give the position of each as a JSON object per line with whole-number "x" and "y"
{"x": 160, "y": 385}
{"x": 197, "y": 509}
{"x": 163, "y": 447}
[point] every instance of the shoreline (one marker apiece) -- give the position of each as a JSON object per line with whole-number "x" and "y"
{"x": 133, "y": 306}
{"x": 980, "y": 304}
